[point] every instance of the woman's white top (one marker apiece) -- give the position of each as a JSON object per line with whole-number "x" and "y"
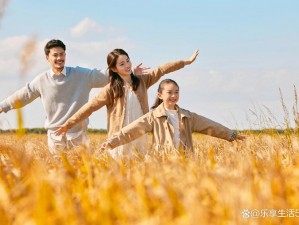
{"x": 138, "y": 146}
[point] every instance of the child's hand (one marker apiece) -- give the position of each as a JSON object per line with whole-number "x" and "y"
{"x": 235, "y": 137}
{"x": 192, "y": 58}
{"x": 240, "y": 137}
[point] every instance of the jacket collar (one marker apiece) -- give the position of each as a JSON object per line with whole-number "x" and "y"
{"x": 160, "y": 111}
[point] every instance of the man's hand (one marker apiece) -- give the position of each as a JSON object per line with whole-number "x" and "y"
{"x": 138, "y": 70}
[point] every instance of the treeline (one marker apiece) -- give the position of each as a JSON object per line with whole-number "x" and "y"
{"x": 44, "y": 131}
{"x": 104, "y": 131}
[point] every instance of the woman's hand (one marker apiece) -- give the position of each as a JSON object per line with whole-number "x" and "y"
{"x": 61, "y": 130}
{"x": 192, "y": 58}
{"x": 138, "y": 70}
{"x": 105, "y": 146}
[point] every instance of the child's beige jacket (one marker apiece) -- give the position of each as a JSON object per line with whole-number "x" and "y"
{"x": 157, "y": 122}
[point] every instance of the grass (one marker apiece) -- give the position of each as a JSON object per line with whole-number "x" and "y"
{"x": 213, "y": 187}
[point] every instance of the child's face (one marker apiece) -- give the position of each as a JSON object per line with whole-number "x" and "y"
{"x": 123, "y": 66}
{"x": 169, "y": 95}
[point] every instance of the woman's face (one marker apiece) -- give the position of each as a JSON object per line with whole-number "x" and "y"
{"x": 123, "y": 66}
{"x": 169, "y": 95}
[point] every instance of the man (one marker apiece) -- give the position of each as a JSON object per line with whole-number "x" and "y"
{"x": 63, "y": 91}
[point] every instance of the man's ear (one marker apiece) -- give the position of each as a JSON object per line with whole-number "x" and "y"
{"x": 47, "y": 57}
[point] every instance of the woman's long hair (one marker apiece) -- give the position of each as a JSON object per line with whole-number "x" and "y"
{"x": 116, "y": 82}
{"x": 158, "y": 101}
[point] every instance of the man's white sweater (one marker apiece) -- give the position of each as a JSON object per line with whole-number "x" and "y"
{"x": 61, "y": 95}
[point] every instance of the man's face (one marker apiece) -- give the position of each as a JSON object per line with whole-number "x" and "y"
{"x": 56, "y": 58}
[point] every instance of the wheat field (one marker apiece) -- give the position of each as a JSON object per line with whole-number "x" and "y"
{"x": 250, "y": 182}
{"x": 255, "y": 182}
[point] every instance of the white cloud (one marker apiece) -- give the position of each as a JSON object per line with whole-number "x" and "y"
{"x": 88, "y": 26}
{"x": 10, "y": 56}
{"x": 93, "y": 54}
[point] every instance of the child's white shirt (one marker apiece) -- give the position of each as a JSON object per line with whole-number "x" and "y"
{"x": 174, "y": 119}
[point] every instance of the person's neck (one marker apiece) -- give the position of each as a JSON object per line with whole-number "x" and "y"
{"x": 57, "y": 71}
{"x": 169, "y": 108}
{"x": 128, "y": 80}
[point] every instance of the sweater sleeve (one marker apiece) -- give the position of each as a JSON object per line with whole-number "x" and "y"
{"x": 132, "y": 131}
{"x": 99, "y": 78}
{"x": 166, "y": 68}
{"x": 209, "y": 127}
{"x": 21, "y": 97}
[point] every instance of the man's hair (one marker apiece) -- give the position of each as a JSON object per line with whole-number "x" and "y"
{"x": 53, "y": 44}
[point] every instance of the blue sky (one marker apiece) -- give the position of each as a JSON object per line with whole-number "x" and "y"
{"x": 248, "y": 51}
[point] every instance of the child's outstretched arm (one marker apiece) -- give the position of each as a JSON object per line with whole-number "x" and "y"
{"x": 206, "y": 126}
{"x": 129, "y": 133}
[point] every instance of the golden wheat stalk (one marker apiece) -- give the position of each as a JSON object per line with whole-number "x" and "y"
{"x": 3, "y": 5}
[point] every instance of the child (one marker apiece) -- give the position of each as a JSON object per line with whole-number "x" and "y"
{"x": 170, "y": 125}
{"x": 125, "y": 98}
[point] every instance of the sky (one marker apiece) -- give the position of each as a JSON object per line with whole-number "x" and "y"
{"x": 246, "y": 71}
